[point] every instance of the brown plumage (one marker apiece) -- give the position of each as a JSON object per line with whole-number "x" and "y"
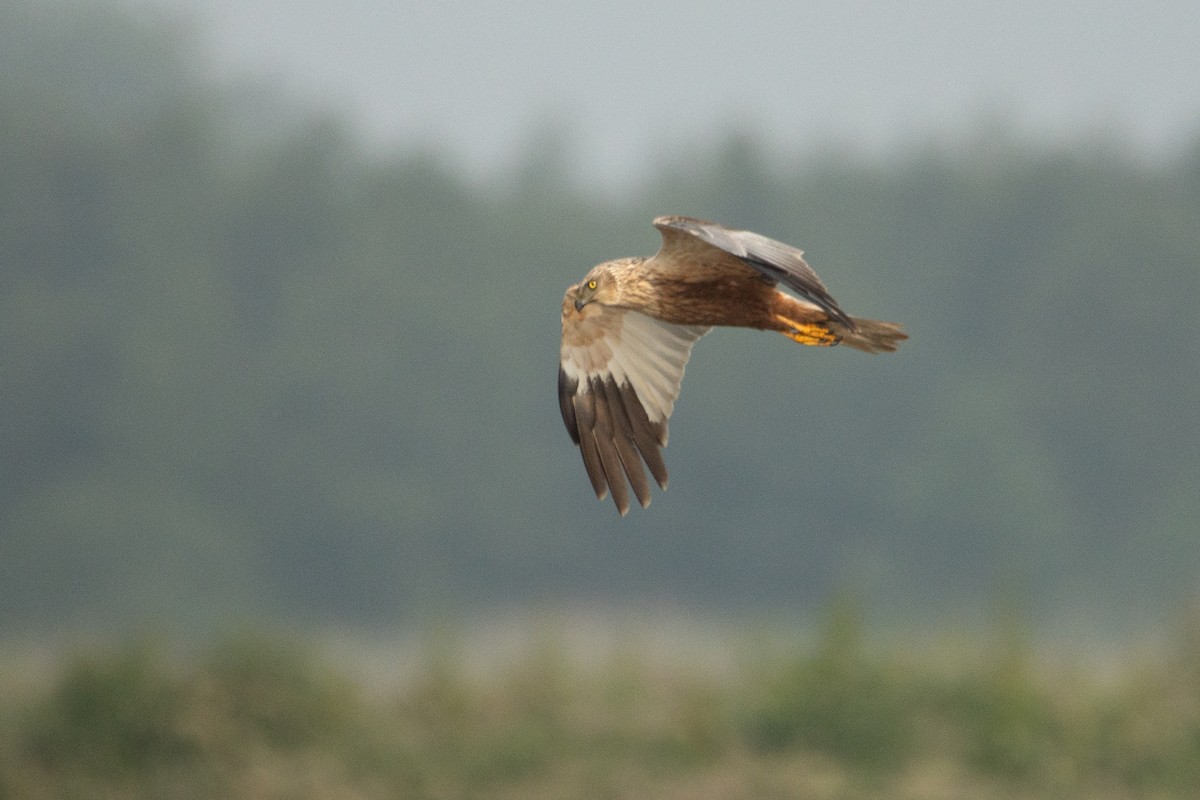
{"x": 629, "y": 325}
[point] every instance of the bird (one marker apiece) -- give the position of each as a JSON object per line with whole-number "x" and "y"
{"x": 628, "y": 328}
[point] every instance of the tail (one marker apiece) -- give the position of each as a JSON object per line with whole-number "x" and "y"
{"x": 803, "y": 322}
{"x": 869, "y": 335}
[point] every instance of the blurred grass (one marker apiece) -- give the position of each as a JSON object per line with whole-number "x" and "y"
{"x": 256, "y": 716}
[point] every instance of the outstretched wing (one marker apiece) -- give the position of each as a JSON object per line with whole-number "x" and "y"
{"x": 683, "y": 237}
{"x": 618, "y": 377}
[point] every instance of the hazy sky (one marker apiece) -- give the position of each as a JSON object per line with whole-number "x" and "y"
{"x": 635, "y": 78}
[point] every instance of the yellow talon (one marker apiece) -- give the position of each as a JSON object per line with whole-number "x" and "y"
{"x": 809, "y": 334}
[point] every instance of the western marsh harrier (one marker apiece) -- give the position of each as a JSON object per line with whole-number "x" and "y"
{"x": 628, "y": 329}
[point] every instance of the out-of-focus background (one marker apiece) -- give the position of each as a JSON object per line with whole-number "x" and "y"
{"x": 279, "y": 286}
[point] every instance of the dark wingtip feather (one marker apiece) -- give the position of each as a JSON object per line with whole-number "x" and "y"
{"x": 647, "y": 435}
{"x": 625, "y": 438}
{"x": 566, "y": 403}
{"x": 610, "y": 459}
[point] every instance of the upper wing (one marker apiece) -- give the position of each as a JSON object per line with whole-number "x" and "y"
{"x": 776, "y": 261}
{"x": 618, "y": 377}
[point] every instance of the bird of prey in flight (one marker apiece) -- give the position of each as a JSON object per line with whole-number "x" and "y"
{"x": 628, "y": 329}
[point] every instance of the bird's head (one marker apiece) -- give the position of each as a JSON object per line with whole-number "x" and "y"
{"x": 598, "y": 286}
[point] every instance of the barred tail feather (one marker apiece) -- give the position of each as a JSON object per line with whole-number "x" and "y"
{"x": 869, "y": 335}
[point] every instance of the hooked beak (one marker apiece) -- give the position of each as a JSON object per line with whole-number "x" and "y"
{"x": 579, "y": 304}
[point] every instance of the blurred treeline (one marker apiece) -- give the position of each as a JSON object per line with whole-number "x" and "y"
{"x": 250, "y": 368}
{"x": 256, "y": 717}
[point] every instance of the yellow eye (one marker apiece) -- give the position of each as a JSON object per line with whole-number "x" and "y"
{"x": 591, "y": 284}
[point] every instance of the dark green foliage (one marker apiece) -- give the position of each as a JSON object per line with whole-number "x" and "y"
{"x": 253, "y": 717}
{"x": 112, "y": 716}
{"x": 280, "y": 693}
{"x": 841, "y": 701}
{"x": 256, "y": 712}
{"x": 1012, "y": 725}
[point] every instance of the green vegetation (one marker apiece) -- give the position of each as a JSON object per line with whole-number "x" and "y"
{"x": 841, "y": 718}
